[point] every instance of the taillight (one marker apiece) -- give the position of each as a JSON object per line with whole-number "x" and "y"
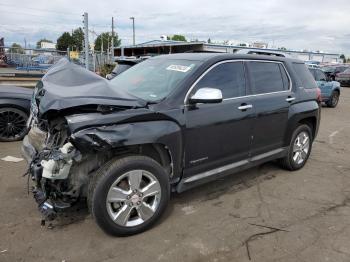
{"x": 318, "y": 95}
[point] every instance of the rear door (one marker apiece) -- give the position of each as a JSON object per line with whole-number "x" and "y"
{"x": 270, "y": 86}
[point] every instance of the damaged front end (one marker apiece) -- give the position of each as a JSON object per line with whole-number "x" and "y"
{"x": 49, "y": 165}
{"x": 60, "y": 173}
{"x": 78, "y": 123}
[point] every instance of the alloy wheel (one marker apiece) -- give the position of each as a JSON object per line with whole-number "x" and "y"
{"x": 133, "y": 198}
{"x": 12, "y": 124}
{"x": 301, "y": 148}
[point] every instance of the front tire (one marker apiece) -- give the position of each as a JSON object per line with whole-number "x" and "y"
{"x": 333, "y": 100}
{"x": 128, "y": 195}
{"x": 299, "y": 148}
{"x": 13, "y": 124}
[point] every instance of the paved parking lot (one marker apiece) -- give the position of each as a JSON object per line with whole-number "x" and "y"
{"x": 308, "y": 213}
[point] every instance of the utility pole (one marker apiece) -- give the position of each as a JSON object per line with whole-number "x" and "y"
{"x": 133, "y": 29}
{"x": 112, "y": 37}
{"x": 86, "y": 38}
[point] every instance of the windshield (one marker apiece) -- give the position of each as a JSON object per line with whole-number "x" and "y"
{"x": 154, "y": 79}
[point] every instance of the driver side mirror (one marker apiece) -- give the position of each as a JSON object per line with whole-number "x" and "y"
{"x": 206, "y": 95}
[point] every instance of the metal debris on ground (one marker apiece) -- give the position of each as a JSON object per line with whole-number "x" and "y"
{"x": 12, "y": 159}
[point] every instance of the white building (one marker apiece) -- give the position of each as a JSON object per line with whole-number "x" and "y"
{"x": 47, "y": 45}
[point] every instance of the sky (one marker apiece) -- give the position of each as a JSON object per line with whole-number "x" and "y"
{"x": 295, "y": 24}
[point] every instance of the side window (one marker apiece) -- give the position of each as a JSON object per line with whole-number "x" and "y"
{"x": 313, "y": 72}
{"x": 285, "y": 78}
{"x": 265, "y": 77}
{"x": 320, "y": 76}
{"x": 304, "y": 75}
{"x": 228, "y": 77}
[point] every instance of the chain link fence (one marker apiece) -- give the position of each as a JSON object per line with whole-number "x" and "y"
{"x": 42, "y": 60}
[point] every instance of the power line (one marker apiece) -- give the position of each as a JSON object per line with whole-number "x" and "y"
{"x": 41, "y": 16}
{"x": 42, "y": 10}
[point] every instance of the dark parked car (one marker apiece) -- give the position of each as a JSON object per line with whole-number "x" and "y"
{"x": 332, "y": 71}
{"x": 167, "y": 124}
{"x": 14, "y": 112}
{"x": 123, "y": 65}
{"x": 330, "y": 90}
{"x": 344, "y": 77}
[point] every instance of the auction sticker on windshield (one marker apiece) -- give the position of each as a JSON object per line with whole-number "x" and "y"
{"x": 179, "y": 68}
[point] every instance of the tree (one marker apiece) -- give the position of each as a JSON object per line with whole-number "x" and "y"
{"x": 64, "y": 41}
{"x": 342, "y": 56}
{"x": 104, "y": 39}
{"x": 38, "y": 44}
{"x": 77, "y": 39}
{"x": 282, "y": 48}
{"x": 209, "y": 40}
{"x": 177, "y": 38}
{"x": 17, "y": 48}
{"x": 242, "y": 44}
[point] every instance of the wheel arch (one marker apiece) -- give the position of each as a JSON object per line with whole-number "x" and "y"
{"x": 20, "y": 104}
{"x": 336, "y": 89}
{"x": 303, "y": 113}
{"x": 160, "y": 140}
{"x": 311, "y": 122}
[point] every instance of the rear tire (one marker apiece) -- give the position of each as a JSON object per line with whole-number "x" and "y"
{"x": 333, "y": 100}
{"x": 299, "y": 148}
{"x": 128, "y": 195}
{"x": 13, "y": 124}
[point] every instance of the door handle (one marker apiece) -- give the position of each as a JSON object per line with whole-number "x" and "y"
{"x": 290, "y": 99}
{"x": 245, "y": 107}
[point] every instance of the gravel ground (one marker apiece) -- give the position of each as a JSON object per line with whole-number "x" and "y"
{"x": 308, "y": 212}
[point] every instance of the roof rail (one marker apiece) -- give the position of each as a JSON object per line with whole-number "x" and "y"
{"x": 261, "y": 52}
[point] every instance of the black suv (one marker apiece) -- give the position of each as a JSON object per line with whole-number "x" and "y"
{"x": 167, "y": 124}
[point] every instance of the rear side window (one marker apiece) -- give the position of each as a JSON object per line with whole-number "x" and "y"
{"x": 228, "y": 77}
{"x": 285, "y": 78}
{"x": 266, "y": 77}
{"x": 304, "y": 75}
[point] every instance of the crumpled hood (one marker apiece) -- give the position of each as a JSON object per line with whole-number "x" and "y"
{"x": 68, "y": 85}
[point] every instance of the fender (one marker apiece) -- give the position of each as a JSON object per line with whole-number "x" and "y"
{"x": 102, "y": 138}
{"x": 19, "y": 103}
{"x": 299, "y": 112}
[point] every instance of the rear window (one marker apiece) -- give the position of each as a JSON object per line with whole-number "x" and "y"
{"x": 265, "y": 77}
{"x": 304, "y": 75}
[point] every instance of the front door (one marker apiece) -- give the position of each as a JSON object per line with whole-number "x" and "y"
{"x": 219, "y": 134}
